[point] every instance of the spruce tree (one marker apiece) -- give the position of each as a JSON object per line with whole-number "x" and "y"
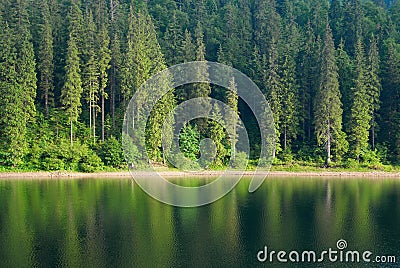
{"x": 90, "y": 74}
{"x": 20, "y": 85}
{"x": 390, "y": 111}
{"x": 267, "y": 24}
{"x": 188, "y": 49}
{"x": 232, "y": 99}
{"x": 114, "y": 81}
{"x": 327, "y": 105}
{"x": 116, "y": 58}
{"x": 142, "y": 60}
{"x": 238, "y": 34}
{"x": 217, "y": 135}
{"x": 187, "y": 53}
{"x": 26, "y": 63}
{"x": 352, "y": 24}
{"x": 289, "y": 95}
{"x": 346, "y": 81}
{"x": 336, "y": 19}
{"x": 173, "y": 39}
{"x": 12, "y": 121}
{"x": 360, "y": 116}
{"x": 72, "y": 90}
{"x": 273, "y": 86}
{"x": 374, "y": 86}
{"x": 46, "y": 58}
{"x": 201, "y": 90}
{"x": 104, "y": 57}
{"x": 309, "y": 81}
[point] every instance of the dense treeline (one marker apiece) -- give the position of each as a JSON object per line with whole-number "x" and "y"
{"x": 68, "y": 68}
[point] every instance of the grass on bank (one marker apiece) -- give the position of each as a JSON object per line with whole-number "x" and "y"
{"x": 276, "y": 167}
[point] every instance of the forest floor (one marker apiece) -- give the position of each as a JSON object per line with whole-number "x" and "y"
{"x": 173, "y": 173}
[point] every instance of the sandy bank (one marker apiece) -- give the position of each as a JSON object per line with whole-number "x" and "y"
{"x": 116, "y": 175}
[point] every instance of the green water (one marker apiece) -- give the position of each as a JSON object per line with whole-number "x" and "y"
{"x": 97, "y": 223}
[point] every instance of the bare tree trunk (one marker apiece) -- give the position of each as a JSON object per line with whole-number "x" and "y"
{"x": 112, "y": 100}
{"x": 46, "y": 101}
{"x": 234, "y": 142}
{"x": 373, "y": 132}
{"x": 102, "y": 115}
{"x": 94, "y": 124}
{"x": 113, "y": 10}
{"x": 285, "y": 139}
{"x": 90, "y": 112}
{"x": 72, "y": 142}
{"x": 328, "y": 156}
{"x": 309, "y": 123}
{"x": 328, "y": 148}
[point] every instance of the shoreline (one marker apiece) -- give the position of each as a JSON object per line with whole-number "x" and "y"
{"x": 179, "y": 174}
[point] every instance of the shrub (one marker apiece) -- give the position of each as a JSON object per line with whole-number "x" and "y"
{"x": 61, "y": 156}
{"x": 286, "y": 156}
{"x": 351, "y": 163}
{"x": 239, "y": 162}
{"x": 111, "y": 153}
{"x": 90, "y": 162}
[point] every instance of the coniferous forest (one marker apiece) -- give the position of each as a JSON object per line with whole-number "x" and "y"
{"x": 329, "y": 69}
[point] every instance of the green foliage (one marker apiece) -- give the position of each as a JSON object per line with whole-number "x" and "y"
{"x": 189, "y": 142}
{"x": 90, "y": 162}
{"x": 73, "y": 66}
{"x": 46, "y": 58}
{"x": 361, "y": 109}
{"x": 17, "y": 86}
{"x": 327, "y": 104}
{"x": 111, "y": 153}
{"x": 239, "y": 162}
{"x": 217, "y": 135}
{"x": 61, "y": 156}
{"x": 273, "y": 87}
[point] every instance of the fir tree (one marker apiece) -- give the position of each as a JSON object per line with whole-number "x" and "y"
{"x": 309, "y": 81}
{"x": 360, "y": 116}
{"x": 45, "y": 58}
{"x": 188, "y": 49}
{"x": 72, "y": 90}
{"x": 12, "y": 121}
{"x": 26, "y": 63}
{"x": 346, "y": 81}
{"x": 390, "y": 111}
{"x": 144, "y": 59}
{"x": 187, "y": 53}
{"x": 91, "y": 74}
{"x": 201, "y": 90}
{"x": 327, "y": 105}
{"x": 267, "y": 24}
{"x": 217, "y": 135}
{"x": 103, "y": 66}
{"x": 173, "y": 40}
{"x": 116, "y": 64}
{"x": 289, "y": 95}
{"x": 231, "y": 99}
{"x": 374, "y": 86}
{"x": 273, "y": 88}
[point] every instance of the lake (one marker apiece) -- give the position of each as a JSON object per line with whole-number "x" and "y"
{"x": 112, "y": 222}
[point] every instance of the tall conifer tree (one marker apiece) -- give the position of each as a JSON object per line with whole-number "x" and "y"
{"x": 46, "y": 58}
{"x": 327, "y": 105}
{"x": 360, "y": 115}
{"x": 72, "y": 90}
{"x": 374, "y": 86}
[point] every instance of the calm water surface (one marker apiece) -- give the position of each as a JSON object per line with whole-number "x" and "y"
{"x": 97, "y": 223}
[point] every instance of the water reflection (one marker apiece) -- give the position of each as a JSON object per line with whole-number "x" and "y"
{"x": 95, "y": 223}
